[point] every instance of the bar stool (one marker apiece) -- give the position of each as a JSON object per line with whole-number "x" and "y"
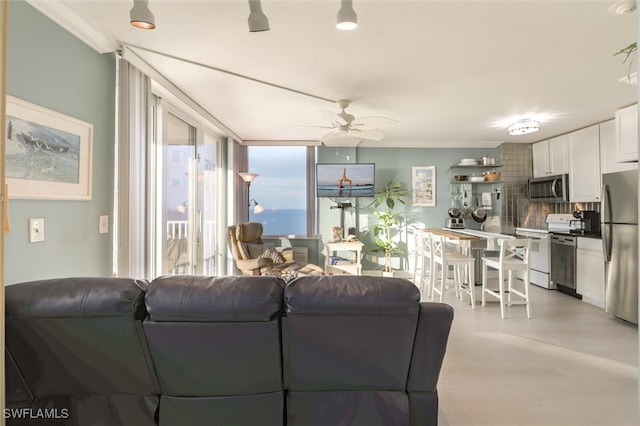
{"x": 422, "y": 262}
{"x": 418, "y": 262}
{"x": 514, "y": 256}
{"x": 463, "y": 270}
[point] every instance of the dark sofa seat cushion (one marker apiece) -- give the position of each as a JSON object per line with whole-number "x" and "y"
{"x": 194, "y": 298}
{"x": 249, "y": 410}
{"x": 354, "y": 408}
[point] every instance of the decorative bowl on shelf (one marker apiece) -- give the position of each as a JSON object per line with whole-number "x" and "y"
{"x": 491, "y": 176}
{"x": 460, "y": 178}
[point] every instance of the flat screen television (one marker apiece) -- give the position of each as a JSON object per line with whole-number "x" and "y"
{"x": 345, "y": 179}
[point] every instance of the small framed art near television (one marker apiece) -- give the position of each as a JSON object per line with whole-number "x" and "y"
{"x": 345, "y": 179}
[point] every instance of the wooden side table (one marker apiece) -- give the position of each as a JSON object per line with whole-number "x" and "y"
{"x": 351, "y": 265}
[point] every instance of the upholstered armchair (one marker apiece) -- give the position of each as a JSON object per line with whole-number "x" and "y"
{"x": 254, "y": 257}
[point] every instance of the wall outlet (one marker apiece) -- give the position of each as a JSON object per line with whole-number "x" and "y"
{"x": 36, "y": 230}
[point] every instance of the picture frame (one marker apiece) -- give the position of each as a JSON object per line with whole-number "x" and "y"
{"x": 48, "y": 154}
{"x": 423, "y": 185}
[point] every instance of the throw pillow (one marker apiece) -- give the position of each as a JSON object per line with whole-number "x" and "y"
{"x": 257, "y": 251}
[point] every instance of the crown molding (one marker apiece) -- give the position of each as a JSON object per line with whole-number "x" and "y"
{"x": 63, "y": 15}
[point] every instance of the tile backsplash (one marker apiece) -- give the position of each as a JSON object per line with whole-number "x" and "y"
{"x": 517, "y": 211}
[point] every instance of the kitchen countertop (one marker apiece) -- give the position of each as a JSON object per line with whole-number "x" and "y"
{"x": 452, "y": 234}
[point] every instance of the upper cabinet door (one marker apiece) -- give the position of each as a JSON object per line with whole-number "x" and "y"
{"x": 609, "y": 150}
{"x": 550, "y": 157}
{"x": 540, "y": 156}
{"x": 627, "y": 133}
{"x": 584, "y": 165}
{"x": 559, "y": 155}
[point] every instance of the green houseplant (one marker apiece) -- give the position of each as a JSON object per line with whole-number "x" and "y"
{"x": 389, "y": 197}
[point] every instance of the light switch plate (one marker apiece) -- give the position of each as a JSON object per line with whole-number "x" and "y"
{"x": 103, "y": 228}
{"x": 36, "y": 230}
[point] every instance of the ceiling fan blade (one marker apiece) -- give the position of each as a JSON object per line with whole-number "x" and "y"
{"x": 335, "y": 134}
{"x": 341, "y": 138}
{"x": 373, "y": 122}
{"x": 371, "y": 134}
{"x": 313, "y": 127}
{"x": 335, "y": 118}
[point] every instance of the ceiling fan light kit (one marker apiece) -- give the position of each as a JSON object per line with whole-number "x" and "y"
{"x": 347, "y": 17}
{"x": 141, "y": 16}
{"x": 523, "y": 127}
{"x": 258, "y": 21}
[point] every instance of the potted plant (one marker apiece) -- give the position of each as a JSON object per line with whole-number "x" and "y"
{"x": 388, "y": 220}
{"x": 629, "y": 54}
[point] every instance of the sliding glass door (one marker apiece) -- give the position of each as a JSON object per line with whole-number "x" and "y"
{"x": 185, "y": 198}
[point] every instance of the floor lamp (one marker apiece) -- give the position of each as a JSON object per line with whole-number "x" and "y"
{"x": 248, "y": 178}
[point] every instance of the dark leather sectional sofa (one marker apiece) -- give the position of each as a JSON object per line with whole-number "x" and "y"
{"x": 227, "y": 351}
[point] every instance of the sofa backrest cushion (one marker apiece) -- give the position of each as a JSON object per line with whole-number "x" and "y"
{"x": 349, "y": 333}
{"x": 80, "y": 336}
{"x": 76, "y": 298}
{"x": 184, "y": 298}
{"x": 216, "y": 336}
{"x": 351, "y": 295}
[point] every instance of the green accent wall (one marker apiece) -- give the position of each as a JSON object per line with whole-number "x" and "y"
{"x": 396, "y": 164}
{"x": 50, "y": 67}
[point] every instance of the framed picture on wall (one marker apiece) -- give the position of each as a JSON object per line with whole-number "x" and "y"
{"x": 48, "y": 154}
{"x": 423, "y": 185}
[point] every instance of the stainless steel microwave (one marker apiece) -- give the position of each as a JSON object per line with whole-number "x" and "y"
{"x": 549, "y": 189}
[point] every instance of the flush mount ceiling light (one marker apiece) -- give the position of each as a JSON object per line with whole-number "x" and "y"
{"x": 347, "y": 17}
{"x": 523, "y": 127}
{"x": 141, "y": 16}
{"x": 258, "y": 21}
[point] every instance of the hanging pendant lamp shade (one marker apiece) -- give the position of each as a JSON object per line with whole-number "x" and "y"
{"x": 141, "y": 16}
{"x": 347, "y": 17}
{"x": 258, "y": 21}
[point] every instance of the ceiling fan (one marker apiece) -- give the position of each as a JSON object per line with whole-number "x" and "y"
{"x": 346, "y": 129}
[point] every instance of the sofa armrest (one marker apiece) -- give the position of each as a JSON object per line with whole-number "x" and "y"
{"x": 432, "y": 334}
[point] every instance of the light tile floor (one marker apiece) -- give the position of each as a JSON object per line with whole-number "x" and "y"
{"x": 570, "y": 364}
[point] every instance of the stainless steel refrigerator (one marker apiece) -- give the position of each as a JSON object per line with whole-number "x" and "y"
{"x": 619, "y": 213}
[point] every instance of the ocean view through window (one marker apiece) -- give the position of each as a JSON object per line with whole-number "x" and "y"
{"x": 281, "y": 188}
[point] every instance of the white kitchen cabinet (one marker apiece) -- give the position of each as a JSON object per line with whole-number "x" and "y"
{"x": 627, "y": 133}
{"x": 609, "y": 150}
{"x": 590, "y": 271}
{"x": 550, "y": 157}
{"x": 585, "y": 180}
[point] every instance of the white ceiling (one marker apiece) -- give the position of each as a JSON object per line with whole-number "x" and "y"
{"x": 453, "y": 73}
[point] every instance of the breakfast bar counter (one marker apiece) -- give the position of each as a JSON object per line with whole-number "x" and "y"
{"x": 463, "y": 240}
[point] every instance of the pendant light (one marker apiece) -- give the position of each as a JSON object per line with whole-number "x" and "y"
{"x": 141, "y": 16}
{"x": 258, "y": 21}
{"x": 347, "y": 17}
